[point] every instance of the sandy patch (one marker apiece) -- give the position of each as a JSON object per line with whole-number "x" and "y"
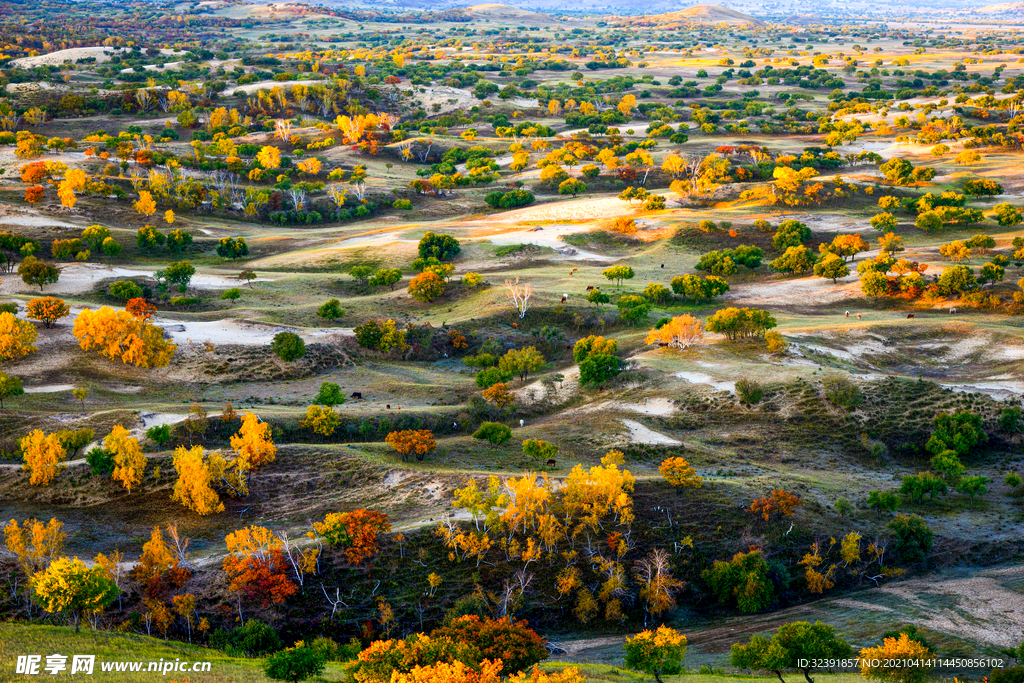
{"x": 453, "y": 99}
{"x": 100, "y": 53}
{"x": 549, "y": 236}
{"x": 49, "y": 388}
{"x": 78, "y": 278}
{"x": 556, "y": 392}
{"x": 638, "y": 433}
{"x": 240, "y": 332}
{"x": 797, "y": 292}
{"x": 701, "y": 378}
{"x": 270, "y": 85}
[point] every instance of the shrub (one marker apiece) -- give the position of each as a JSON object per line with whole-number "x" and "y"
{"x": 294, "y": 664}
{"x": 100, "y": 462}
{"x": 495, "y": 432}
{"x": 749, "y": 391}
{"x": 599, "y": 367}
{"x": 403, "y": 204}
{"x": 125, "y": 290}
{"x": 842, "y": 392}
{"x": 252, "y": 639}
{"x": 288, "y": 346}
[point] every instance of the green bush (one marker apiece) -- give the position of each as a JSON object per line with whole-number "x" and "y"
{"x": 294, "y": 664}
{"x": 288, "y": 346}
{"x": 842, "y": 392}
{"x": 495, "y": 432}
{"x": 749, "y": 391}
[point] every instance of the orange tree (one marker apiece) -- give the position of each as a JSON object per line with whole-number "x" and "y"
{"x": 119, "y": 334}
{"x": 44, "y": 457}
{"x": 781, "y": 501}
{"x": 680, "y": 474}
{"x": 514, "y": 643}
{"x": 426, "y": 286}
{"x": 140, "y": 308}
{"x": 159, "y": 570}
{"x": 196, "y": 474}
{"x": 256, "y": 566}
{"x": 417, "y": 442}
{"x": 47, "y": 310}
{"x": 355, "y": 531}
{"x": 897, "y": 660}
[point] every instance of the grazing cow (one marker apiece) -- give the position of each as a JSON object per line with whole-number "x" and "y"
{"x": 909, "y": 316}
{"x": 552, "y": 463}
{"x": 564, "y": 297}
{"x": 847, "y": 314}
{"x": 662, "y": 345}
{"x": 357, "y": 394}
{"x": 515, "y": 325}
{"x": 521, "y": 423}
{"x": 662, "y": 265}
{"x": 858, "y": 317}
{"x": 590, "y": 288}
{"x": 455, "y": 425}
{"x": 388, "y": 406}
{"x": 952, "y": 311}
{"x": 568, "y": 347}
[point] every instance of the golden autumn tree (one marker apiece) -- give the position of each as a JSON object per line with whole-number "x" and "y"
{"x": 120, "y": 335}
{"x": 355, "y": 531}
{"x": 658, "y": 587}
{"x": 129, "y": 462}
{"x": 498, "y": 394}
{"x": 253, "y": 446}
{"x": 321, "y": 420}
{"x": 159, "y": 567}
{"x": 680, "y": 473}
{"x": 256, "y": 566}
{"x": 16, "y": 337}
{"x": 44, "y": 457}
{"x": 35, "y": 544}
{"x": 415, "y": 442}
{"x": 897, "y": 660}
{"x": 145, "y": 204}
{"x": 47, "y": 310}
{"x": 196, "y": 474}
{"x": 681, "y": 332}
{"x": 269, "y": 157}
{"x": 68, "y": 585}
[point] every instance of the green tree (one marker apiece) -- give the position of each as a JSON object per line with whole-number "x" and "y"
{"x": 160, "y": 434}
{"x": 737, "y": 323}
{"x": 330, "y": 310}
{"x": 913, "y": 539}
{"x": 791, "y": 233}
{"x": 521, "y": 362}
{"x": 831, "y": 267}
{"x": 38, "y": 273}
{"x": 795, "y": 260}
{"x": 442, "y": 247}
{"x": 1007, "y": 215}
{"x": 973, "y": 486}
{"x": 360, "y": 273}
{"x": 956, "y": 280}
{"x": 982, "y": 187}
{"x": 10, "y": 387}
{"x": 294, "y": 664}
{"x": 386, "y": 277}
{"x": 743, "y": 580}
{"x": 232, "y": 248}
{"x": 125, "y": 290}
{"x": 883, "y": 500}
{"x": 495, "y": 432}
{"x": 101, "y": 461}
{"x": 488, "y": 377}
{"x": 94, "y": 236}
{"x": 618, "y": 273}
{"x": 794, "y": 646}
{"x": 149, "y": 238}
{"x": 111, "y": 247}
{"x": 960, "y": 432}
{"x": 599, "y": 368}
{"x": 929, "y": 221}
{"x": 657, "y": 293}
{"x": 539, "y": 450}
{"x": 632, "y": 308}
{"x": 330, "y": 394}
{"x": 179, "y": 273}
{"x": 288, "y": 346}
{"x": 178, "y": 241}
{"x": 573, "y": 186}
{"x": 897, "y": 171}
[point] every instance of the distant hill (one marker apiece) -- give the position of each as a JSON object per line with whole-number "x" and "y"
{"x": 1003, "y": 8}
{"x": 508, "y": 13}
{"x": 699, "y": 14}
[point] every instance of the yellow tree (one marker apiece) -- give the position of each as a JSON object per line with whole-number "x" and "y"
{"x": 680, "y": 473}
{"x": 321, "y": 420}
{"x": 657, "y": 585}
{"x": 120, "y": 335}
{"x": 16, "y": 337}
{"x": 68, "y": 585}
{"x": 681, "y": 332}
{"x": 196, "y": 474}
{"x": 897, "y": 660}
{"x": 34, "y": 543}
{"x": 145, "y": 205}
{"x": 129, "y": 462}
{"x": 44, "y": 457}
{"x": 47, "y": 310}
{"x": 269, "y": 157}
{"x": 253, "y": 447}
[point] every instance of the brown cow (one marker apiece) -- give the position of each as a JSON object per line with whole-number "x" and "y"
{"x": 552, "y": 463}
{"x": 909, "y": 316}
{"x": 590, "y": 287}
